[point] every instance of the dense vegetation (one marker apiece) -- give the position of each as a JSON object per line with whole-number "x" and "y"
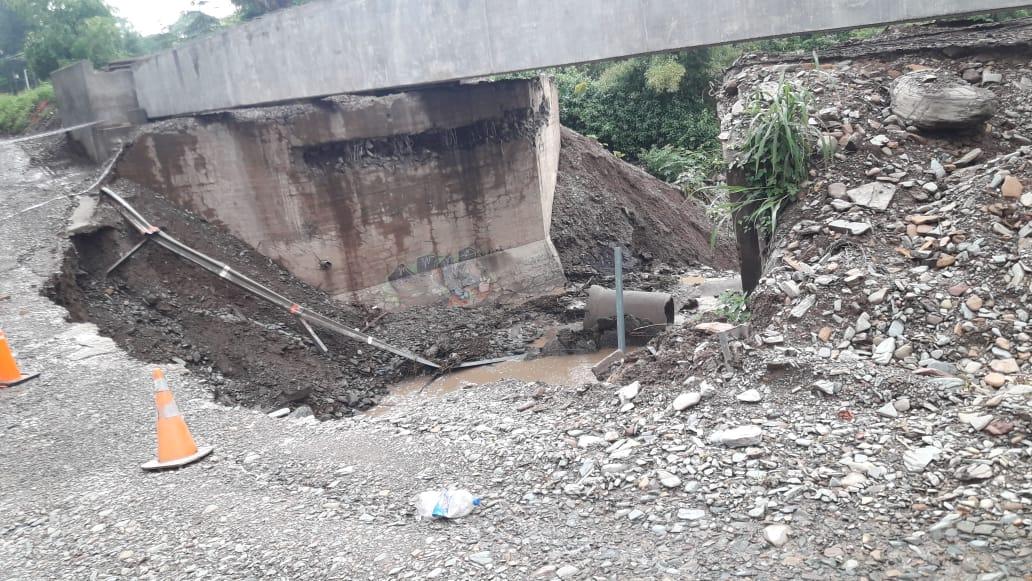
{"x": 17, "y": 111}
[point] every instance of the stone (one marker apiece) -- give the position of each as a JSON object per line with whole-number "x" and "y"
{"x": 973, "y": 472}
{"x": 301, "y": 411}
{"x": 825, "y": 333}
{"x": 714, "y": 327}
{"x": 825, "y": 386}
{"x": 738, "y": 437}
{"x": 877, "y": 297}
{"x": 1002, "y": 230}
{"x": 837, "y": 190}
{"x": 790, "y": 288}
{"x": 588, "y": 441}
{"x": 750, "y": 396}
{"x": 968, "y": 158}
{"x": 883, "y": 352}
{"x": 973, "y": 76}
{"x": 628, "y": 392}
{"x": 990, "y": 76}
{"x": 803, "y": 307}
{"x": 995, "y": 379}
{"x": 863, "y": 322}
{"x": 776, "y": 534}
{"x": 481, "y": 558}
{"x": 686, "y": 400}
{"x": 895, "y": 329}
{"x": 976, "y": 421}
{"x": 668, "y": 480}
{"x": 918, "y": 459}
{"x": 875, "y": 195}
{"x": 1012, "y": 187}
{"x": 974, "y": 302}
{"x": 888, "y": 410}
{"x": 690, "y": 513}
{"x": 847, "y": 227}
{"x": 939, "y": 100}
{"x": 999, "y": 427}
{"x": 566, "y": 571}
{"x": 1008, "y": 366}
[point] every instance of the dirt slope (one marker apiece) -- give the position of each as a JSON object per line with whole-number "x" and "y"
{"x": 601, "y": 201}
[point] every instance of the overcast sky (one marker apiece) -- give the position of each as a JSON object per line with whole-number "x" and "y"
{"x": 151, "y": 16}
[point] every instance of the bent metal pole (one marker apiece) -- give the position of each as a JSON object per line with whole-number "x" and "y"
{"x": 226, "y": 272}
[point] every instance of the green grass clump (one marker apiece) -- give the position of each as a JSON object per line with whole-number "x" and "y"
{"x": 17, "y": 111}
{"x": 776, "y": 152}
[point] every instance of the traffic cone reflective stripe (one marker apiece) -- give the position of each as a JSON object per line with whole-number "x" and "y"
{"x": 176, "y": 446}
{"x": 9, "y": 372}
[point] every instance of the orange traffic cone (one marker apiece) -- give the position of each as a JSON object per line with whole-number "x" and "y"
{"x": 176, "y": 446}
{"x": 9, "y": 372}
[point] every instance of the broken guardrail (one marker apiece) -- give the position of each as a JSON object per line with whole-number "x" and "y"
{"x": 226, "y": 272}
{"x": 49, "y": 133}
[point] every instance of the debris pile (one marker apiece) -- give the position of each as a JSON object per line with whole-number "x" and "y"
{"x": 602, "y": 202}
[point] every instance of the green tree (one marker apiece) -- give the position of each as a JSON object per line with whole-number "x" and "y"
{"x": 65, "y": 31}
{"x": 12, "y": 38}
{"x": 12, "y": 31}
{"x": 636, "y": 104}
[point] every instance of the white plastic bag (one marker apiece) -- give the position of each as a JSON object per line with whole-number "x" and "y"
{"x": 446, "y": 503}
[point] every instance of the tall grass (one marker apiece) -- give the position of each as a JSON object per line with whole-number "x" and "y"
{"x": 18, "y": 111}
{"x": 776, "y": 152}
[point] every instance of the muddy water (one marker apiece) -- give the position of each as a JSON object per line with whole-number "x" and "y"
{"x": 559, "y": 370}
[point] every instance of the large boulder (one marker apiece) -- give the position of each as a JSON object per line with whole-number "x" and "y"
{"x": 939, "y": 100}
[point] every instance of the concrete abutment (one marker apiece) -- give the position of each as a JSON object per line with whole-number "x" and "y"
{"x": 434, "y": 196}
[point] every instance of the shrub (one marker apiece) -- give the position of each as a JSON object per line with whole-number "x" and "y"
{"x": 685, "y": 168}
{"x": 776, "y": 152}
{"x": 17, "y": 111}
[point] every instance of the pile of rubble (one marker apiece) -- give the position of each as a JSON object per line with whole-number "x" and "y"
{"x": 872, "y": 417}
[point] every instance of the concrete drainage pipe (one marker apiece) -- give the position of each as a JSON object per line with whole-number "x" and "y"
{"x": 648, "y": 308}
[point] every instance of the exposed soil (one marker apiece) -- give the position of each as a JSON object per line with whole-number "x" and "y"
{"x": 602, "y": 202}
{"x": 161, "y": 308}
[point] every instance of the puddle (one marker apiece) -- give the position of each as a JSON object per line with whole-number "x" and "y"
{"x": 557, "y": 370}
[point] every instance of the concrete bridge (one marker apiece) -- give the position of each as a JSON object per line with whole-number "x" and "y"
{"x": 416, "y": 190}
{"x": 332, "y": 47}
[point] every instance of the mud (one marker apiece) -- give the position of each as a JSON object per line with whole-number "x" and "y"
{"x": 602, "y": 202}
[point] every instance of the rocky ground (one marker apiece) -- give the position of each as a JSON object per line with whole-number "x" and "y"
{"x": 871, "y": 421}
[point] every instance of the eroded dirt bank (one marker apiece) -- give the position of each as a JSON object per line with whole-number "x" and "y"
{"x": 161, "y": 308}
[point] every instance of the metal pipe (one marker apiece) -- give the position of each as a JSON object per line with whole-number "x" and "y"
{"x": 49, "y": 133}
{"x": 621, "y": 337}
{"x": 648, "y": 308}
{"x": 225, "y": 271}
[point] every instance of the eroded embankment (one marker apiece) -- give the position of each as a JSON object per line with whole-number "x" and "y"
{"x": 162, "y": 309}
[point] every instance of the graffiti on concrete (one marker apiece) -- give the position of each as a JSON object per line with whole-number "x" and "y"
{"x": 458, "y": 277}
